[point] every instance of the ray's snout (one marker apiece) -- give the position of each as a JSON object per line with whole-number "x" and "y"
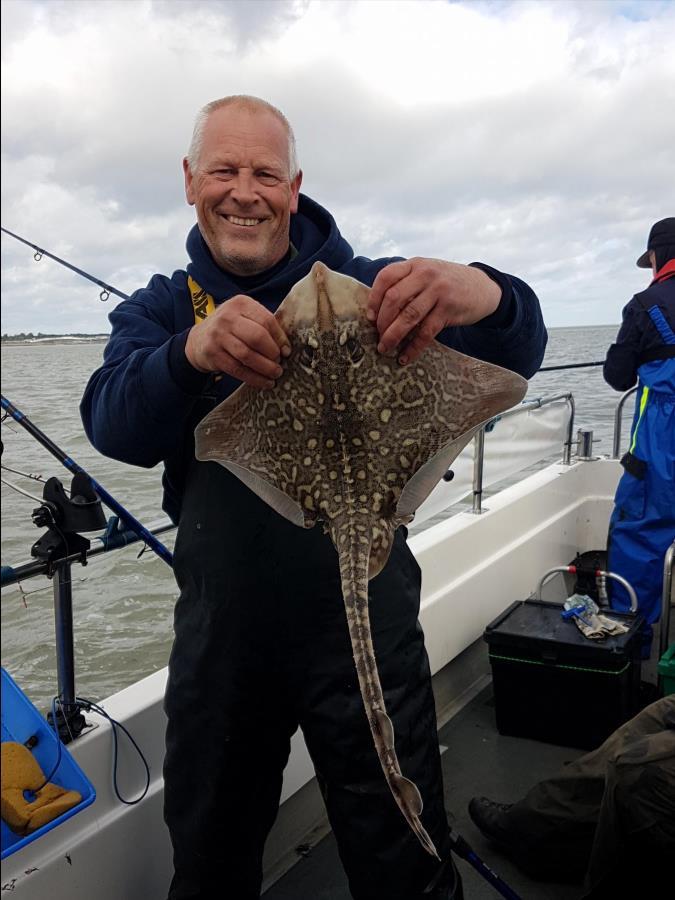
{"x": 319, "y": 274}
{"x": 321, "y": 298}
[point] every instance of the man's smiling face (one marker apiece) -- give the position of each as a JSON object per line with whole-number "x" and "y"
{"x": 242, "y": 190}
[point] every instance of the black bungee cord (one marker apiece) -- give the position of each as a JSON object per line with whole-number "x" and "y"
{"x": 88, "y": 706}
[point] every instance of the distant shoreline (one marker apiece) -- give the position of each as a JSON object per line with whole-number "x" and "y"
{"x": 54, "y": 339}
{"x": 26, "y": 340}
{"x": 98, "y": 338}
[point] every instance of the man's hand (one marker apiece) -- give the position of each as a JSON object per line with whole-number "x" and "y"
{"x": 241, "y": 338}
{"x": 411, "y": 301}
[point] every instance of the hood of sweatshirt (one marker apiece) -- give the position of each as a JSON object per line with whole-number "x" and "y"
{"x": 314, "y": 235}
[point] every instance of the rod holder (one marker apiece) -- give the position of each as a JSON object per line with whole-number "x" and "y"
{"x": 69, "y": 719}
{"x": 585, "y": 444}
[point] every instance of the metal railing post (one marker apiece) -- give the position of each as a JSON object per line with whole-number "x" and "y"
{"x": 664, "y": 627}
{"x": 478, "y": 458}
{"x": 567, "y": 449}
{"x": 616, "y": 443}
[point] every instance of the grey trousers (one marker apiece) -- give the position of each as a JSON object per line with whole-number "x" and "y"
{"x": 609, "y": 816}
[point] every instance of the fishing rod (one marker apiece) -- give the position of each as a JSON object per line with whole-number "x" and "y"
{"x": 571, "y": 366}
{"x": 108, "y": 289}
{"x": 39, "y": 253}
{"x": 463, "y": 850}
{"x": 73, "y": 467}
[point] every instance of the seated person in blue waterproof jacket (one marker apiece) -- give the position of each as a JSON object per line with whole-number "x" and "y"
{"x": 642, "y": 526}
{"x": 261, "y": 643}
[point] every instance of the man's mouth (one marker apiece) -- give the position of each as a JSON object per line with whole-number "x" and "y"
{"x": 238, "y": 220}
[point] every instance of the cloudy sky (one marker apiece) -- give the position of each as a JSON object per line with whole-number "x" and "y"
{"x": 536, "y": 136}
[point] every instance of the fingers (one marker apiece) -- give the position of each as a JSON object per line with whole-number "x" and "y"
{"x": 400, "y": 326}
{"x": 386, "y": 278}
{"x": 241, "y": 338}
{"x": 246, "y": 359}
{"x": 254, "y": 312}
{"x": 404, "y": 295}
{"x": 251, "y": 376}
{"x": 411, "y": 301}
{"x": 418, "y": 340}
{"x": 249, "y": 339}
{"x": 275, "y": 330}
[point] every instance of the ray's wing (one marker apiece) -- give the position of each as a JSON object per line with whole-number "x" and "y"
{"x": 238, "y": 434}
{"x": 467, "y": 393}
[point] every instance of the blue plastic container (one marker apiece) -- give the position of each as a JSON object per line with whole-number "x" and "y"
{"x": 20, "y": 721}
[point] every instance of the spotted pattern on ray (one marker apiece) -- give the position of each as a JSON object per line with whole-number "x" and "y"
{"x": 351, "y": 439}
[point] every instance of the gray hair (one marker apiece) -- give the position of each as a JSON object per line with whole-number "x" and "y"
{"x": 253, "y": 104}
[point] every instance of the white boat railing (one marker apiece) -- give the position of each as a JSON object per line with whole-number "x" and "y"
{"x": 479, "y": 440}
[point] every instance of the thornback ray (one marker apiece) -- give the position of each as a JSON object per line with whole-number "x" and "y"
{"x": 350, "y": 438}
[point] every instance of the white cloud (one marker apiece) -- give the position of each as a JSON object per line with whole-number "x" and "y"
{"x": 532, "y": 135}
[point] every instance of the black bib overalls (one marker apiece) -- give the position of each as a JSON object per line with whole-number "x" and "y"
{"x": 262, "y": 646}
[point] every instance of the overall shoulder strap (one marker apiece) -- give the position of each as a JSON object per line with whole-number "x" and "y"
{"x": 662, "y": 326}
{"x": 666, "y": 350}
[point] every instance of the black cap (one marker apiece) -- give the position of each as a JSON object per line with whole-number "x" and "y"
{"x": 661, "y": 234}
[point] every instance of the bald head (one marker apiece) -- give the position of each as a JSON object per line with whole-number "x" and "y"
{"x": 251, "y": 105}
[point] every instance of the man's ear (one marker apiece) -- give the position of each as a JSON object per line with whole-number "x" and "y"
{"x": 189, "y": 192}
{"x": 295, "y": 191}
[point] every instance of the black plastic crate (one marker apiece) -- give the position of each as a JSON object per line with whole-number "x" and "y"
{"x": 552, "y": 684}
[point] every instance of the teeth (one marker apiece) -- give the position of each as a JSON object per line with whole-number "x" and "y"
{"x": 237, "y": 221}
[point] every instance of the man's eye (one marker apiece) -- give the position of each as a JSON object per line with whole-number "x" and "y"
{"x": 267, "y": 178}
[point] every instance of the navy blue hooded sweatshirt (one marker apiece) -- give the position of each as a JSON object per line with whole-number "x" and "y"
{"x": 143, "y": 404}
{"x": 638, "y": 339}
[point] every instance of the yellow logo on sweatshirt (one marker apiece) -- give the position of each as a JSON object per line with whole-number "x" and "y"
{"x": 202, "y": 303}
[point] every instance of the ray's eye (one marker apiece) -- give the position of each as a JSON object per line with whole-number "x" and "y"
{"x": 354, "y": 349}
{"x": 307, "y": 355}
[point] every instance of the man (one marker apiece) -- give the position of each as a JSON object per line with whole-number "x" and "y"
{"x": 642, "y": 526}
{"x": 261, "y": 643}
{"x": 607, "y": 818}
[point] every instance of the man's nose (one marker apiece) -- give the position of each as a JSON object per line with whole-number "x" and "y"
{"x": 244, "y": 188}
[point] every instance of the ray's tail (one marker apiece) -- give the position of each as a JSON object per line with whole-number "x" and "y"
{"x": 354, "y": 577}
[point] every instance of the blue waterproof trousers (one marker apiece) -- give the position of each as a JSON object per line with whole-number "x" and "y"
{"x": 642, "y": 525}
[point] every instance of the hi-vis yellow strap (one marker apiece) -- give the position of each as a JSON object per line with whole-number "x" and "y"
{"x": 202, "y": 303}
{"x": 643, "y": 403}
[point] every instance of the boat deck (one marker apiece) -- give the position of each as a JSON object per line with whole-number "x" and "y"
{"x": 477, "y": 760}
